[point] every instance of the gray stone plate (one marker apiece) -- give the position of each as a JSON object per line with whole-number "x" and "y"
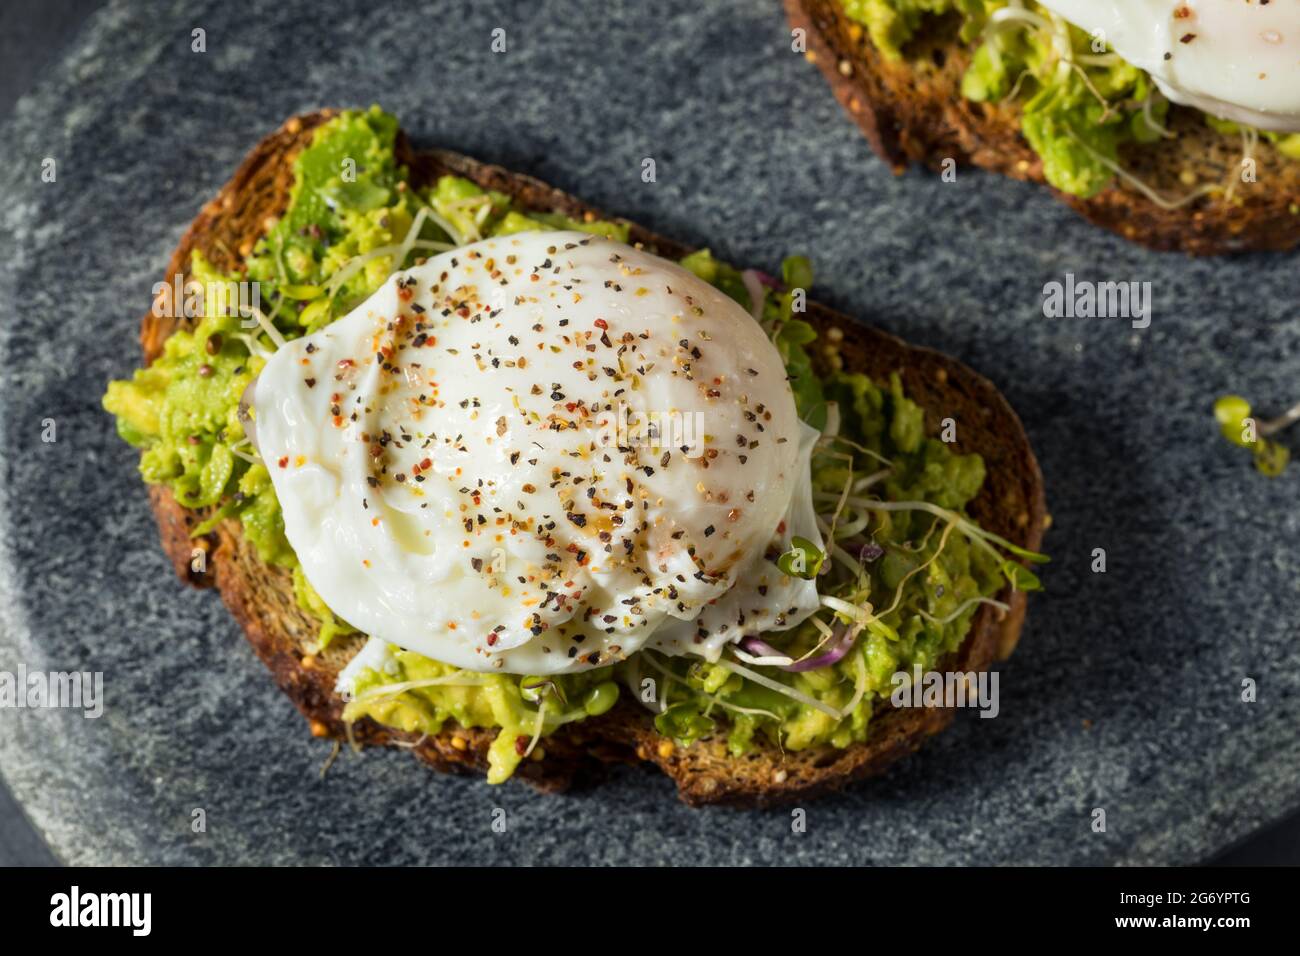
{"x": 1126, "y": 691}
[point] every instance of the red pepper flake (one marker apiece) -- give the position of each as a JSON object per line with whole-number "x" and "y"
{"x": 283, "y": 462}
{"x": 601, "y": 324}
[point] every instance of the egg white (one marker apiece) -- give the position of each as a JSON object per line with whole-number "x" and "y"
{"x": 466, "y": 470}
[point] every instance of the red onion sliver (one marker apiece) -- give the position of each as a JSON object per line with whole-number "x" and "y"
{"x": 843, "y": 644}
{"x": 759, "y": 648}
{"x": 835, "y": 654}
{"x": 870, "y": 551}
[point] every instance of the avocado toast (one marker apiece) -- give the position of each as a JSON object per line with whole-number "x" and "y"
{"x": 940, "y": 82}
{"x": 734, "y": 753}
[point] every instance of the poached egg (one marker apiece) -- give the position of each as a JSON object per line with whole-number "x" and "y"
{"x": 541, "y": 453}
{"x": 1235, "y": 59}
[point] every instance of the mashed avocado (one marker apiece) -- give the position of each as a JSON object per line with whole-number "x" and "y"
{"x": 903, "y": 542}
{"x": 1076, "y": 119}
{"x": 525, "y": 708}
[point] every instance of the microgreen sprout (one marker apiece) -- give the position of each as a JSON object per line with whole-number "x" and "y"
{"x": 1141, "y": 186}
{"x": 714, "y": 700}
{"x": 456, "y": 679}
{"x": 537, "y": 728}
{"x": 1233, "y": 413}
{"x": 457, "y": 238}
{"x": 255, "y": 348}
{"x": 782, "y": 688}
{"x": 803, "y": 560}
{"x": 267, "y": 325}
{"x": 1018, "y": 576}
{"x": 962, "y": 609}
{"x": 245, "y": 449}
{"x": 300, "y": 292}
{"x": 534, "y": 689}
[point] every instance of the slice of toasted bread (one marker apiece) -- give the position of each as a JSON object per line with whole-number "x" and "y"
{"x": 262, "y": 600}
{"x": 913, "y": 111}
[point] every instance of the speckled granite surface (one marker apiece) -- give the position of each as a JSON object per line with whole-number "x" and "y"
{"x": 754, "y": 158}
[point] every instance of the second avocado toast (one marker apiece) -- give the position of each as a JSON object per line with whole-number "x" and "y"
{"x": 939, "y": 562}
{"x": 1014, "y": 88}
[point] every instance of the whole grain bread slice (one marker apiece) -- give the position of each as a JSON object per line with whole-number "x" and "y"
{"x": 261, "y": 598}
{"x": 913, "y": 111}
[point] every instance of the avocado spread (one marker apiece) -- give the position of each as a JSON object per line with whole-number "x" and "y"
{"x": 899, "y": 540}
{"x": 1076, "y": 119}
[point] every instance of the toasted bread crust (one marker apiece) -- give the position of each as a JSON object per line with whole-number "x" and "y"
{"x": 913, "y": 111}
{"x": 262, "y": 601}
